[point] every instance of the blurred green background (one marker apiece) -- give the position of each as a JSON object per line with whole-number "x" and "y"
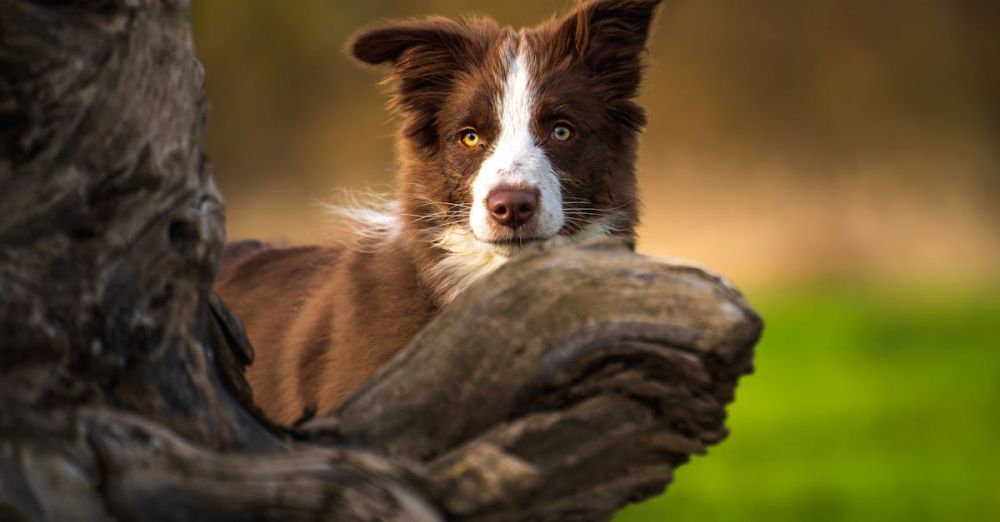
{"x": 868, "y": 403}
{"x": 839, "y": 160}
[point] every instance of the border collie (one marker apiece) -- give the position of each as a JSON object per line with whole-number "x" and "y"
{"x": 508, "y": 137}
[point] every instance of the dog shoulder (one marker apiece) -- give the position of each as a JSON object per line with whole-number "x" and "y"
{"x": 260, "y": 272}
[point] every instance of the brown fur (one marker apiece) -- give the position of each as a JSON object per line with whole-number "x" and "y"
{"x": 299, "y": 303}
{"x": 324, "y": 319}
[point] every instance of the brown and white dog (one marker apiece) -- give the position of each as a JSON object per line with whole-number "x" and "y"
{"x": 509, "y": 137}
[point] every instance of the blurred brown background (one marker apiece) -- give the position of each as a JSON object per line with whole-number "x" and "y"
{"x": 788, "y": 140}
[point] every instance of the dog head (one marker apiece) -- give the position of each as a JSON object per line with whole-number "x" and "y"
{"x": 511, "y": 137}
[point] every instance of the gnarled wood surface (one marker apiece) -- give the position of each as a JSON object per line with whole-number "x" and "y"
{"x": 570, "y": 382}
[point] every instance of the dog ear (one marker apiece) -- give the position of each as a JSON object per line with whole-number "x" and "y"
{"x": 389, "y": 41}
{"x": 608, "y": 37}
{"x": 426, "y": 55}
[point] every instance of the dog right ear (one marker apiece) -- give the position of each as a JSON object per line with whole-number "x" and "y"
{"x": 426, "y": 55}
{"x": 389, "y": 42}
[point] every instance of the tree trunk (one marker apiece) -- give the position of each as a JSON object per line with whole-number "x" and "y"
{"x": 571, "y": 382}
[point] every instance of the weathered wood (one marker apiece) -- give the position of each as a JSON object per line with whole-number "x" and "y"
{"x": 567, "y": 384}
{"x": 591, "y": 364}
{"x": 111, "y": 224}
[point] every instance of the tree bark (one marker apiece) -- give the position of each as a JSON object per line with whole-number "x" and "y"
{"x": 572, "y": 381}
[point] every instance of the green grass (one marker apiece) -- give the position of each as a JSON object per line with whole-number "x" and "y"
{"x": 865, "y": 405}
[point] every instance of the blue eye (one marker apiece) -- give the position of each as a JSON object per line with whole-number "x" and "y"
{"x": 562, "y": 132}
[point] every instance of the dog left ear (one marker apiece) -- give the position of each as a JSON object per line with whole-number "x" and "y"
{"x": 609, "y": 38}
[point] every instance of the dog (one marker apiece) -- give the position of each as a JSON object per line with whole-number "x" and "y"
{"x": 508, "y": 137}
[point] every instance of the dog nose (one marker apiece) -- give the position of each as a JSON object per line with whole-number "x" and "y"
{"x": 511, "y": 208}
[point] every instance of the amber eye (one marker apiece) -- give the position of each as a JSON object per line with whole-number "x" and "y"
{"x": 562, "y": 132}
{"x": 470, "y": 138}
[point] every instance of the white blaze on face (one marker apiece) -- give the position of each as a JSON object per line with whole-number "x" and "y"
{"x": 517, "y": 161}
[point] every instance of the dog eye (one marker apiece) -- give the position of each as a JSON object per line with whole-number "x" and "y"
{"x": 470, "y": 138}
{"x": 562, "y": 132}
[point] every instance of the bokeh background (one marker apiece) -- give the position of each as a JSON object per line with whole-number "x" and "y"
{"x": 839, "y": 160}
